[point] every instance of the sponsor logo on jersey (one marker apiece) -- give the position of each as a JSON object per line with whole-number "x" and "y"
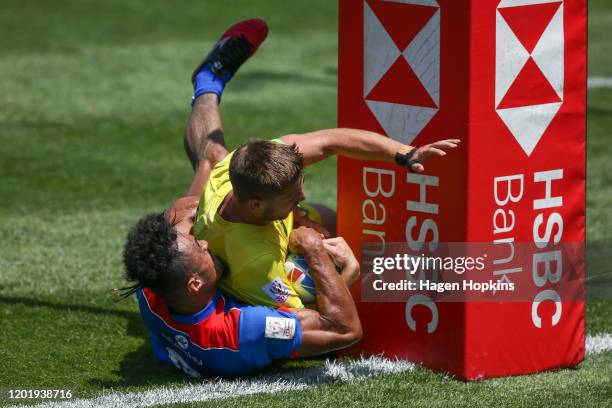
{"x": 181, "y": 341}
{"x": 277, "y": 291}
{"x": 186, "y": 352}
{"x": 280, "y": 328}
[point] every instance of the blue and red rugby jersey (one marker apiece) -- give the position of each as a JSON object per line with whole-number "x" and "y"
{"x": 225, "y": 338}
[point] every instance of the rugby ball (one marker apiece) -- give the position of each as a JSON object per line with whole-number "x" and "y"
{"x": 296, "y": 268}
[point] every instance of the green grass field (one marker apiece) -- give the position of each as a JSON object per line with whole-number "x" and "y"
{"x": 94, "y": 100}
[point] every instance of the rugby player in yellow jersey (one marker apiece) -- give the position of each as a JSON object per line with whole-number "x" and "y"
{"x": 249, "y": 198}
{"x": 248, "y": 213}
{"x": 249, "y": 206}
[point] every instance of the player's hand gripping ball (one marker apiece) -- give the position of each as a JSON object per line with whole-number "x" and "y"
{"x": 297, "y": 274}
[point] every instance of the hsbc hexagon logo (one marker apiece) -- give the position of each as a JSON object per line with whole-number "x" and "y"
{"x": 402, "y": 64}
{"x": 529, "y": 69}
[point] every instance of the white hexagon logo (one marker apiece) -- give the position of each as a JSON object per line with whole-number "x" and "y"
{"x": 402, "y": 64}
{"x": 529, "y": 69}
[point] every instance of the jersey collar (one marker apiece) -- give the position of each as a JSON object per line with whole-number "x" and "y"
{"x": 198, "y": 316}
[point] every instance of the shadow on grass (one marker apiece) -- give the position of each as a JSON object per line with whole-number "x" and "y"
{"x": 14, "y": 300}
{"x": 138, "y": 367}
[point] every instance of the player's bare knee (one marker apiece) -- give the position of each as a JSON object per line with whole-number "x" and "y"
{"x": 215, "y": 150}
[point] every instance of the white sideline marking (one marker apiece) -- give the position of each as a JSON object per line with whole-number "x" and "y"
{"x": 598, "y": 343}
{"x": 284, "y": 381}
{"x": 293, "y": 380}
{"x": 599, "y": 82}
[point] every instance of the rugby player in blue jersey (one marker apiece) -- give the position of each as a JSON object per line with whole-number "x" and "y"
{"x": 195, "y": 326}
{"x": 204, "y": 332}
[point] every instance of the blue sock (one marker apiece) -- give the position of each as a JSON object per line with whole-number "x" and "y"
{"x": 207, "y": 82}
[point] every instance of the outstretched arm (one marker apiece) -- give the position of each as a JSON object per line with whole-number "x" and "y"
{"x": 335, "y": 324}
{"x": 365, "y": 145}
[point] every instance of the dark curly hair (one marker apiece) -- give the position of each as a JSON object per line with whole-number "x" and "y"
{"x": 152, "y": 258}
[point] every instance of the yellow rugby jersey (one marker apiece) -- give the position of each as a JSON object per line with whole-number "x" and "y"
{"x": 254, "y": 254}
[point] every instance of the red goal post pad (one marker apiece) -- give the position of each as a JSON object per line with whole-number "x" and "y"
{"x": 508, "y": 78}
